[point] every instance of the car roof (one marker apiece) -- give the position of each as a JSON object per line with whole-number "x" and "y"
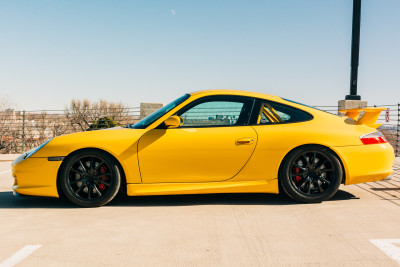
{"x": 236, "y": 92}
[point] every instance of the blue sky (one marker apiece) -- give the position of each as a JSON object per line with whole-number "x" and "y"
{"x": 155, "y": 51}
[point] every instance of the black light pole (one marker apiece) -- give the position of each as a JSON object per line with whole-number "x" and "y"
{"x": 355, "y": 51}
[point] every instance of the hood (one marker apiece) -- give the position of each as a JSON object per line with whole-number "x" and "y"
{"x": 114, "y": 141}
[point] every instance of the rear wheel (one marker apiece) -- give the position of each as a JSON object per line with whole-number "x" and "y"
{"x": 311, "y": 174}
{"x": 90, "y": 178}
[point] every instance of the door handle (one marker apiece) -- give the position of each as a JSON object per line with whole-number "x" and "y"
{"x": 244, "y": 141}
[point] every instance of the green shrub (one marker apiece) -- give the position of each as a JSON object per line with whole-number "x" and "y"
{"x": 103, "y": 123}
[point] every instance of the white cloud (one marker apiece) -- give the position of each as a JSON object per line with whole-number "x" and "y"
{"x": 173, "y": 12}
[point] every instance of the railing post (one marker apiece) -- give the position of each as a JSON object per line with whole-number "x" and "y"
{"x": 23, "y": 131}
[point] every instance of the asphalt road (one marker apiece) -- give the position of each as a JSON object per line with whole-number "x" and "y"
{"x": 203, "y": 230}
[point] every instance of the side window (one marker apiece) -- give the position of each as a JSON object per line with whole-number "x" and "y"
{"x": 271, "y": 113}
{"x": 213, "y": 113}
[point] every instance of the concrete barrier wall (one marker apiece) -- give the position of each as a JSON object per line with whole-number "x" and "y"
{"x": 8, "y": 157}
{"x": 147, "y": 108}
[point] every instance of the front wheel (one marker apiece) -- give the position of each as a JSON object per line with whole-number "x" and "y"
{"x": 311, "y": 174}
{"x": 90, "y": 178}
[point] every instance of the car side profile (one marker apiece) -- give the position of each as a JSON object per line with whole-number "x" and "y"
{"x": 213, "y": 141}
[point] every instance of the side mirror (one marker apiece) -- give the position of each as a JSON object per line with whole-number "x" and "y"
{"x": 173, "y": 122}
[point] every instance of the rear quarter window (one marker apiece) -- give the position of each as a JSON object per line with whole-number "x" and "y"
{"x": 273, "y": 113}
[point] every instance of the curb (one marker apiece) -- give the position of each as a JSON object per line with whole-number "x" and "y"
{"x": 8, "y": 157}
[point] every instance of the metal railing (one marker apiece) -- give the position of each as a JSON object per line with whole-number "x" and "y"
{"x": 389, "y": 119}
{"x": 391, "y": 125}
{"x": 23, "y": 130}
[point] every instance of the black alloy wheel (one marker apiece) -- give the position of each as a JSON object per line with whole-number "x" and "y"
{"x": 90, "y": 178}
{"x": 311, "y": 174}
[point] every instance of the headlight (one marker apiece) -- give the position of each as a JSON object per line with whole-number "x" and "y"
{"x": 36, "y": 149}
{"x": 29, "y": 153}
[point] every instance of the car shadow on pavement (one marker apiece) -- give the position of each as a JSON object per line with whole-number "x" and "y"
{"x": 218, "y": 199}
{"x": 8, "y": 201}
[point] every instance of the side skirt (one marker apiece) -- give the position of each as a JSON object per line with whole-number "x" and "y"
{"x": 270, "y": 186}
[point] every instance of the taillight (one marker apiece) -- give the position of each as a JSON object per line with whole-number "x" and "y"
{"x": 373, "y": 138}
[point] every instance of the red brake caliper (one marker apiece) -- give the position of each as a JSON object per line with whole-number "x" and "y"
{"x": 296, "y": 171}
{"x": 103, "y": 178}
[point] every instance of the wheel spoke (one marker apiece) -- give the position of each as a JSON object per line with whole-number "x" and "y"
{"x": 327, "y": 170}
{"x": 98, "y": 166}
{"x": 313, "y": 160}
{"x": 105, "y": 183}
{"x": 103, "y": 174}
{"x": 89, "y": 190}
{"x": 91, "y": 164}
{"x": 74, "y": 181}
{"x": 323, "y": 180}
{"x": 83, "y": 167}
{"x": 97, "y": 190}
{"x": 76, "y": 171}
{"x": 318, "y": 165}
{"x": 304, "y": 183}
{"x": 307, "y": 163}
{"x": 319, "y": 187}
{"x": 298, "y": 166}
{"x": 80, "y": 188}
{"x": 309, "y": 186}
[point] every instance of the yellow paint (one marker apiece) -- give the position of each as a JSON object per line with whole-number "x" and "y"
{"x": 194, "y": 154}
{"x": 212, "y": 159}
{"x": 367, "y": 163}
{"x": 275, "y": 141}
{"x": 121, "y": 143}
{"x": 173, "y": 122}
{"x": 203, "y": 188}
{"x": 369, "y": 118}
{"x": 36, "y": 177}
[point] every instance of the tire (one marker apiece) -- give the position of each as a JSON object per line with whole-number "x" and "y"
{"x": 311, "y": 174}
{"x": 90, "y": 178}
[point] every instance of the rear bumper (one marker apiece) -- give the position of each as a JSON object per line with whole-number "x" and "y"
{"x": 36, "y": 177}
{"x": 366, "y": 163}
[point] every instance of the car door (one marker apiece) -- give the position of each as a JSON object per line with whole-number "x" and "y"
{"x": 213, "y": 143}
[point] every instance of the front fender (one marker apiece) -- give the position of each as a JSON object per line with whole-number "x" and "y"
{"x": 120, "y": 143}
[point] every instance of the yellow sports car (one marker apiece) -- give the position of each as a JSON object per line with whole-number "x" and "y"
{"x": 214, "y": 141}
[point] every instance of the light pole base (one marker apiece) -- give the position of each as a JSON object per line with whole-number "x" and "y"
{"x": 353, "y": 97}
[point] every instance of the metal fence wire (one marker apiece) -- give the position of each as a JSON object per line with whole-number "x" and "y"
{"x": 23, "y": 130}
{"x": 390, "y": 120}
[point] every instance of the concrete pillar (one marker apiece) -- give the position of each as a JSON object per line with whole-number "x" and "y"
{"x": 348, "y": 104}
{"x": 147, "y": 108}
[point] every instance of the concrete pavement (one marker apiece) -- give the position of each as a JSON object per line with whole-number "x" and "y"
{"x": 203, "y": 230}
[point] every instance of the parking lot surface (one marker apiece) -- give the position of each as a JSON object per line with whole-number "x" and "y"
{"x": 359, "y": 226}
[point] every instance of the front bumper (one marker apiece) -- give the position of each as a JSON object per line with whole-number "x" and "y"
{"x": 366, "y": 163}
{"x": 36, "y": 176}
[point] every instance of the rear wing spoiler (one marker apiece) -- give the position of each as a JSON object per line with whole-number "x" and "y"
{"x": 369, "y": 117}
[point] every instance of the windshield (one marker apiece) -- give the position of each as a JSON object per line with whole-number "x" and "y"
{"x": 143, "y": 123}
